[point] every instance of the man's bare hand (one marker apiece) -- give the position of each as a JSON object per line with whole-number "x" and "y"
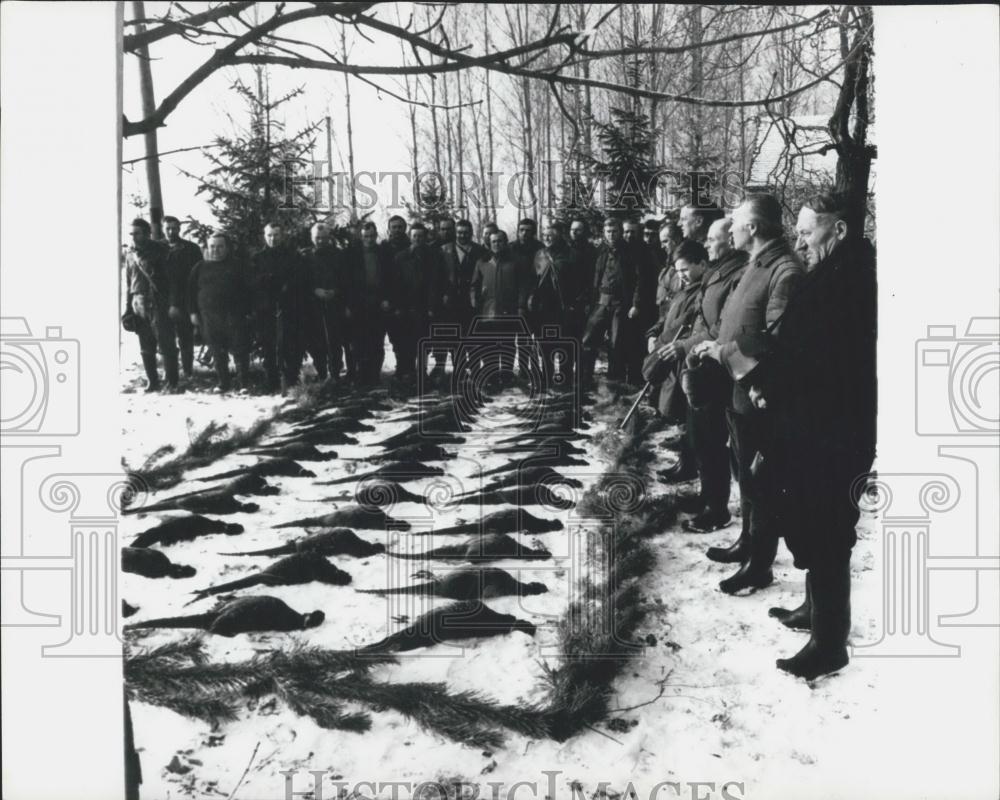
{"x": 709, "y": 349}
{"x": 757, "y": 398}
{"x": 633, "y": 312}
{"x": 669, "y": 352}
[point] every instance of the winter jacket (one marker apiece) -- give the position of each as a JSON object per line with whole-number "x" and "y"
{"x": 501, "y": 285}
{"x": 146, "y": 271}
{"x": 418, "y": 281}
{"x": 459, "y": 268}
{"x": 716, "y": 286}
{"x": 220, "y": 289}
{"x": 818, "y": 376}
{"x": 181, "y": 258}
{"x": 616, "y": 276}
{"x": 770, "y": 280}
{"x": 555, "y": 276}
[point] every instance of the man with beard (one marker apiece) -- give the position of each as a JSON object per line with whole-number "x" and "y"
{"x": 817, "y": 376}
{"x": 709, "y": 397}
{"x": 183, "y": 255}
{"x": 752, "y": 313}
{"x": 148, "y": 290}
{"x": 549, "y": 302}
{"x": 418, "y": 274}
{"x": 459, "y": 259}
{"x": 219, "y": 293}
{"x": 279, "y": 292}
{"x": 501, "y": 285}
{"x": 372, "y": 278}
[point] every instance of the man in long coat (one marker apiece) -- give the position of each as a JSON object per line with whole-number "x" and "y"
{"x": 751, "y": 315}
{"x": 706, "y": 410}
{"x": 817, "y": 376}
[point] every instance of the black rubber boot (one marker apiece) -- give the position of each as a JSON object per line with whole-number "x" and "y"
{"x": 171, "y": 371}
{"x": 152, "y": 376}
{"x": 755, "y": 573}
{"x": 220, "y": 360}
{"x": 799, "y": 619}
{"x": 736, "y": 553}
{"x": 187, "y": 361}
{"x": 826, "y": 650}
{"x": 681, "y": 472}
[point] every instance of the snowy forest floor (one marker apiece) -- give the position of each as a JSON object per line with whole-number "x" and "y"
{"x": 703, "y": 703}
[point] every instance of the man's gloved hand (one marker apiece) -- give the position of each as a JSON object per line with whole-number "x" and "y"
{"x": 650, "y": 344}
{"x": 633, "y": 312}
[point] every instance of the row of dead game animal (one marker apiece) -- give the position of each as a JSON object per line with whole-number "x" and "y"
{"x": 529, "y": 478}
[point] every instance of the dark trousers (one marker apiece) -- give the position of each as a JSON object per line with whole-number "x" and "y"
{"x": 500, "y": 348}
{"x": 555, "y": 348}
{"x": 368, "y": 346}
{"x": 226, "y": 334}
{"x": 327, "y": 337}
{"x": 279, "y": 341}
{"x": 462, "y": 319}
{"x": 708, "y": 436}
{"x": 184, "y": 332}
{"x": 158, "y": 333}
{"x": 405, "y": 333}
{"x": 606, "y": 320}
{"x": 748, "y": 434}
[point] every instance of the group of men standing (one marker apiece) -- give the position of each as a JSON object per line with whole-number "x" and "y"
{"x": 548, "y": 303}
{"x": 764, "y": 351}
{"x": 767, "y": 354}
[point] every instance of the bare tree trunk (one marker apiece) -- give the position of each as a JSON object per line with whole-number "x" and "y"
{"x": 461, "y": 148}
{"x": 149, "y": 139}
{"x": 490, "y": 201}
{"x": 350, "y": 130}
{"x": 434, "y": 124}
{"x": 854, "y": 154}
{"x": 447, "y": 140}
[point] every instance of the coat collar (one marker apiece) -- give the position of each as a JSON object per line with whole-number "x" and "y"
{"x": 726, "y": 266}
{"x": 771, "y": 252}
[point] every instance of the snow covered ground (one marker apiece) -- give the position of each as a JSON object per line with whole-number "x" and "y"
{"x": 704, "y": 707}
